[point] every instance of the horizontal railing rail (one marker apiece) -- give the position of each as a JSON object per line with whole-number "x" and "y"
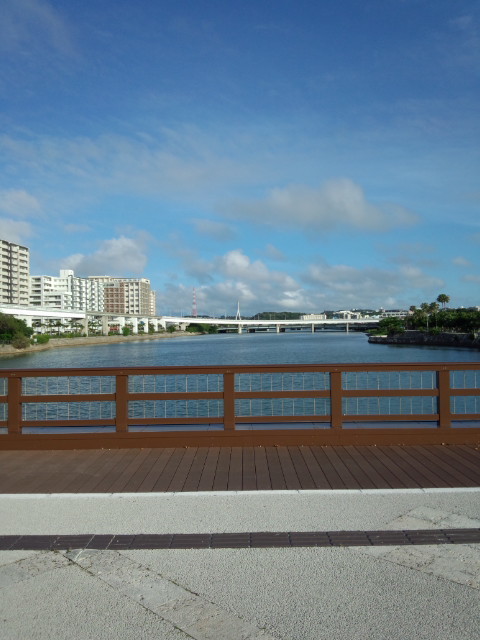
{"x": 228, "y": 405}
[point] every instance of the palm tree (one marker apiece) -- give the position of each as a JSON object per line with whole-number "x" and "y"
{"x": 443, "y": 299}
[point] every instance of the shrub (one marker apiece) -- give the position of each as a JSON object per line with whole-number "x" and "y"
{"x": 42, "y": 338}
{"x": 126, "y": 331}
{"x": 171, "y": 328}
{"x": 20, "y": 341}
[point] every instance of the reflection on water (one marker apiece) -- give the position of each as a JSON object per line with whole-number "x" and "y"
{"x": 224, "y": 349}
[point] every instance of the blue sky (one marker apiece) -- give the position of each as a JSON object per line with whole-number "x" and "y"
{"x": 291, "y": 155}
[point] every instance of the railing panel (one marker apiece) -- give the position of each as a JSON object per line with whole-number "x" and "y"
{"x": 68, "y": 385}
{"x": 175, "y": 409}
{"x": 65, "y": 411}
{"x": 390, "y": 405}
{"x": 182, "y": 383}
{"x": 465, "y": 379}
{"x": 388, "y": 380}
{"x": 460, "y": 405}
{"x": 278, "y": 407}
{"x": 286, "y": 381}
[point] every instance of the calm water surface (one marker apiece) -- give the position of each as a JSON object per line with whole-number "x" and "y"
{"x": 225, "y": 349}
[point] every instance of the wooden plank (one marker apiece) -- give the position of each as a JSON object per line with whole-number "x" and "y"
{"x": 471, "y": 452}
{"x": 24, "y": 467}
{"x": 291, "y": 479}
{"x": 40, "y": 470}
{"x": 384, "y": 471}
{"x": 208, "y": 473}
{"x": 147, "y": 474}
{"x": 67, "y": 466}
{"x": 165, "y": 477}
{"x": 77, "y": 477}
{"x": 248, "y": 469}
{"x": 108, "y": 478}
{"x": 195, "y": 473}
{"x": 450, "y": 471}
{"x": 328, "y": 469}
{"x": 275, "y": 469}
{"x": 303, "y": 474}
{"x": 261, "y": 469}
{"x": 404, "y": 479}
{"x": 178, "y": 480}
{"x": 460, "y": 461}
{"x": 134, "y": 463}
{"x": 220, "y": 482}
{"x": 235, "y": 474}
{"x": 99, "y": 472}
{"x": 422, "y": 466}
{"x": 345, "y": 474}
{"x": 401, "y": 458}
{"x": 355, "y": 459}
{"x": 432, "y": 465}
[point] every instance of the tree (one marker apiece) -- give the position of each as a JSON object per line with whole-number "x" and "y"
{"x": 443, "y": 299}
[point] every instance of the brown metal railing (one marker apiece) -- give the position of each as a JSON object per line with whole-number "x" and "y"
{"x": 392, "y": 403}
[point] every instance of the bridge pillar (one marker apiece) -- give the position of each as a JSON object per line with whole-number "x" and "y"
{"x": 347, "y": 329}
{"x": 313, "y": 328}
{"x": 277, "y": 327}
{"x": 105, "y": 327}
{"x": 84, "y": 323}
{"x": 239, "y": 328}
{"x": 162, "y": 323}
{"x": 134, "y": 322}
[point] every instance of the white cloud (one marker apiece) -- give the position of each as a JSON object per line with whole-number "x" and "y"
{"x": 16, "y": 231}
{"x": 459, "y": 261}
{"x": 18, "y": 203}
{"x": 117, "y": 256}
{"x": 273, "y": 253}
{"x": 28, "y": 26}
{"x": 338, "y": 203}
{"x": 217, "y": 230}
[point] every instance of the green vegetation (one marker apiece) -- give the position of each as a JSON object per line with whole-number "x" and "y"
{"x": 14, "y": 331}
{"x": 429, "y": 317}
{"x": 126, "y": 331}
{"x": 197, "y": 327}
{"x": 171, "y": 328}
{"x": 277, "y": 315}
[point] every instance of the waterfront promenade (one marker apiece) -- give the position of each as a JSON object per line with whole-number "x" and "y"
{"x": 366, "y": 542}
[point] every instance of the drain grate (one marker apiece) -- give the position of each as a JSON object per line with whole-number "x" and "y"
{"x": 258, "y": 539}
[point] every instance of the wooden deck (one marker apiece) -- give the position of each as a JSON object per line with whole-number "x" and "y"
{"x": 239, "y": 469}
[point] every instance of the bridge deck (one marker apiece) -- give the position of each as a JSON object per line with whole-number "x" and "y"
{"x": 239, "y": 469}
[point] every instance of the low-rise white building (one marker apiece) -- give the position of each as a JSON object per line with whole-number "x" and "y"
{"x": 314, "y": 316}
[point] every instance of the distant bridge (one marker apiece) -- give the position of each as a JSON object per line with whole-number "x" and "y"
{"x": 106, "y": 321}
{"x": 274, "y": 325}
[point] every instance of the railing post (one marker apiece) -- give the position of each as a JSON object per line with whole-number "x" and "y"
{"x": 443, "y": 386}
{"x": 14, "y": 405}
{"x": 229, "y": 401}
{"x": 336, "y": 399}
{"x": 121, "y": 403}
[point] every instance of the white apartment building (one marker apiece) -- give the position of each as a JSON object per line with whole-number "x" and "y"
{"x": 66, "y": 292}
{"x": 314, "y": 316}
{"x": 14, "y": 273}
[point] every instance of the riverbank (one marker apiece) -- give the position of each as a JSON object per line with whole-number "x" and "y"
{"x": 419, "y": 338}
{"x": 7, "y": 351}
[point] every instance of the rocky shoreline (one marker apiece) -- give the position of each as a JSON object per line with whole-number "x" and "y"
{"x": 7, "y": 351}
{"x": 423, "y": 338}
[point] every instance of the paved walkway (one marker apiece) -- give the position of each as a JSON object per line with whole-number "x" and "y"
{"x": 359, "y": 543}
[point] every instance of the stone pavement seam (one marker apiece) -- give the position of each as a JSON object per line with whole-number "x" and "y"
{"x": 187, "y": 611}
{"x": 459, "y": 563}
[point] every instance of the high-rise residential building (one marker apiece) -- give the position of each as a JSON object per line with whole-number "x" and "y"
{"x": 14, "y": 274}
{"x": 66, "y": 292}
{"x": 127, "y": 295}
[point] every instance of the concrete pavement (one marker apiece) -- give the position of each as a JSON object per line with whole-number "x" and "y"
{"x": 347, "y": 593}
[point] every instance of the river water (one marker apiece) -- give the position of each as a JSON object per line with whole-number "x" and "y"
{"x": 232, "y": 349}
